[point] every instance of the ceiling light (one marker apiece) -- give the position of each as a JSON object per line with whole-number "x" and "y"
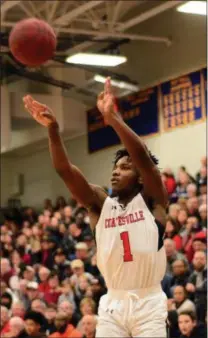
{"x": 96, "y": 59}
{"x": 119, "y": 84}
{"x": 193, "y": 7}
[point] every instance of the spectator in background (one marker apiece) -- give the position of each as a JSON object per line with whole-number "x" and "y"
{"x": 69, "y": 309}
{"x": 171, "y": 231}
{"x": 188, "y": 326}
{"x": 78, "y": 271}
{"x": 173, "y": 211}
{"x": 182, "y": 218}
{"x": 33, "y": 323}
{"x": 63, "y": 329}
{"x": 67, "y": 293}
{"x": 53, "y": 292}
{"x": 32, "y": 291}
{"x": 6, "y": 270}
{"x": 203, "y": 215}
{"x": 60, "y": 204}
{"x": 16, "y": 327}
{"x": 4, "y": 320}
{"x": 169, "y": 181}
{"x": 180, "y": 273}
{"x": 61, "y": 263}
{"x": 191, "y": 190}
{"x": 181, "y": 301}
{"x": 183, "y": 181}
{"x": 197, "y": 284}
{"x": 18, "y": 310}
{"x": 89, "y": 323}
{"x": 172, "y": 254}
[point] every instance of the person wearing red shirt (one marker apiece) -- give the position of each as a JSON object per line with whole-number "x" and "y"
{"x": 53, "y": 291}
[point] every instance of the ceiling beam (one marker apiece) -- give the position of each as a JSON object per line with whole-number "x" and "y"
{"x": 116, "y": 13}
{"x": 148, "y": 14}
{"x": 73, "y": 14}
{"x": 115, "y": 35}
{"x": 7, "y": 5}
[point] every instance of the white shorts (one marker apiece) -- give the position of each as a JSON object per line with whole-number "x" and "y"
{"x": 136, "y": 313}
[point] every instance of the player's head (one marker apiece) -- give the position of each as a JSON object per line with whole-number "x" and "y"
{"x": 125, "y": 176}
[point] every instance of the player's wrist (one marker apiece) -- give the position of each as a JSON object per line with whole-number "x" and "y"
{"x": 115, "y": 119}
{"x": 53, "y": 125}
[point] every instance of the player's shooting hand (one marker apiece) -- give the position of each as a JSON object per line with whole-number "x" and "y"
{"x": 40, "y": 112}
{"x": 106, "y": 103}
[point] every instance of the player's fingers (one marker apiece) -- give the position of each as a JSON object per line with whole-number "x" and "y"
{"x": 38, "y": 105}
{"x": 107, "y": 87}
{"x": 100, "y": 96}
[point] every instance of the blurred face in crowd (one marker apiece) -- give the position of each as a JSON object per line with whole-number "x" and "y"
{"x": 169, "y": 247}
{"x": 15, "y": 258}
{"x": 27, "y": 232}
{"x": 89, "y": 325}
{"x": 36, "y": 231}
{"x": 204, "y": 161}
{"x": 87, "y": 307}
{"x": 203, "y": 172}
{"x": 3, "y": 287}
{"x": 5, "y": 266}
{"x": 38, "y": 306}
{"x": 179, "y": 267}
{"x": 18, "y": 310}
{"x": 47, "y": 220}
{"x": 203, "y": 189}
{"x": 41, "y": 219}
{"x": 198, "y": 245}
{"x": 16, "y": 325}
{"x": 43, "y": 274}
{"x": 32, "y": 294}
{"x": 67, "y": 212}
{"x": 183, "y": 178}
{"x": 29, "y": 274}
{"x": 54, "y": 222}
{"x": 199, "y": 260}
{"x": 47, "y": 213}
{"x": 57, "y": 214}
{"x": 22, "y": 240}
{"x": 53, "y": 282}
{"x": 4, "y": 316}
{"x": 83, "y": 283}
{"x": 173, "y": 211}
{"x": 59, "y": 258}
{"x": 66, "y": 287}
{"x": 179, "y": 294}
{"x": 45, "y": 245}
{"x": 186, "y": 324}
{"x": 62, "y": 229}
{"x": 192, "y": 223}
{"x": 61, "y": 321}
{"x": 32, "y": 328}
{"x": 182, "y": 216}
{"x": 73, "y": 229}
{"x": 67, "y": 308}
{"x": 50, "y": 314}
{"x": 82, "y": 253}
{"x": 191, "y": 190}
{"x": 23, "y": 286}
{"x": 203, "y": 211}
{"x": 26, "y": 224}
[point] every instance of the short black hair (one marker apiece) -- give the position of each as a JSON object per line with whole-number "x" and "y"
{"x": 36, "y": 317}
{"x": 124, "y": 152}
{"x": 191, "y": 314}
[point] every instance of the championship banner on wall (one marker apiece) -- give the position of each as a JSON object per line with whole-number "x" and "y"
{"x": 204, "y": 75}
{"x": 140, "y": 112}
{"x": 182, "y": 100}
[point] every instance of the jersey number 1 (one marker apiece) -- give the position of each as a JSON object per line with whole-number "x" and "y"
{"x": 127, "y": 257}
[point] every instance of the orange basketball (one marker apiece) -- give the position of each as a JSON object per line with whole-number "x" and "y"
{"x": 32, "y": 42}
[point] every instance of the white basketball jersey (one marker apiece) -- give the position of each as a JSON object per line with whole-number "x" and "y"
{"x": 127, "y": 246}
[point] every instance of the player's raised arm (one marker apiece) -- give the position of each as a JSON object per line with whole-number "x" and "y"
{"x": 88, "y": 195}
{"x": 152, "y": 182}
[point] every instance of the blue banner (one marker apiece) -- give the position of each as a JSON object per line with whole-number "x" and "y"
{"x": 204, "y": 74}
{"x": 140, "y": 112}
{"x": 182, "y": 101}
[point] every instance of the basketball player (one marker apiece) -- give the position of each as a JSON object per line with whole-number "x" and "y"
{"x": 129, "y": 226}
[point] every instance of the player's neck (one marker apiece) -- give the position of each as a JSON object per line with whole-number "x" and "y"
{"x": 126, "y": 197}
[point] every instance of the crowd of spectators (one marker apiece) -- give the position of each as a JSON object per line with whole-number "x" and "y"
{"x": 51, "y": 286}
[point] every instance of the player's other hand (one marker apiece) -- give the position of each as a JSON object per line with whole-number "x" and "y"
{"x": 40, "y": 112}
{"x": 106, "y": 103}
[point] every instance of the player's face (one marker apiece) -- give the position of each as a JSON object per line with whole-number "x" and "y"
{"x": 124, "y": 176}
